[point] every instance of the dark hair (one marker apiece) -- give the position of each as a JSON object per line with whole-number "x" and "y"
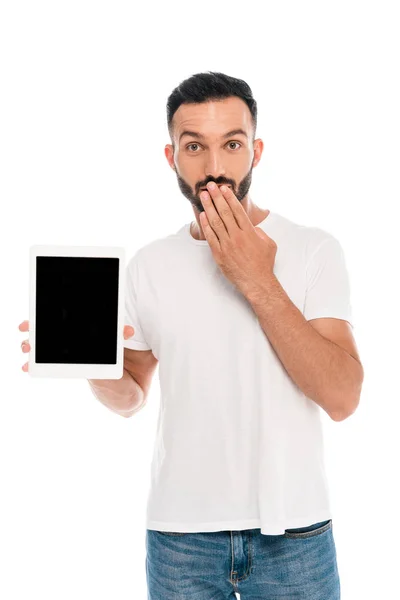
{"x": 203, "y": 87}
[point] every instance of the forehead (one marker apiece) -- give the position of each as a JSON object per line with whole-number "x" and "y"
{"x": 213, "y": 118}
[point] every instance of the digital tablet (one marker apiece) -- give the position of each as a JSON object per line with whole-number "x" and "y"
{"x": 76, "y": 311}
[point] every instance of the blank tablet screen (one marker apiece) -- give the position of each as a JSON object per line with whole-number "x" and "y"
{"x": 76, "y": 310}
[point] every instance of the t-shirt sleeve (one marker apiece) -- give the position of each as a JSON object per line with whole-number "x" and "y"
{"x": 328, "y": 285}
{"x": 137, "y": 341}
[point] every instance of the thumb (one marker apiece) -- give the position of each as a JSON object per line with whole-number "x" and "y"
{"x": 261, "y": 233}
{"x": 128, "y": 331}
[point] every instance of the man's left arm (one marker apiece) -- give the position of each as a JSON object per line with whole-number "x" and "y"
{"x": 317, "y": 349}
{"x": 319, "y": 355}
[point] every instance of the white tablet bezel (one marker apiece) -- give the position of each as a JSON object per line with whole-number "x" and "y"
{"x": 87, "y": 371}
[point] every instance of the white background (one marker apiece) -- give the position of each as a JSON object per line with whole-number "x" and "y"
{"x": 83, "y": 128}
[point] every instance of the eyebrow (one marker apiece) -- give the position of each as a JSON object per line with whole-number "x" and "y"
{"x": 197, "y": 135}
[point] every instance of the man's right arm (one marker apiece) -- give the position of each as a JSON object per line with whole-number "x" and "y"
{"x": 127, "y": 395}
{"x": 123, "y": 396}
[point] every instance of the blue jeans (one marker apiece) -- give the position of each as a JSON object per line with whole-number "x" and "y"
{"x": 301, "y": 563}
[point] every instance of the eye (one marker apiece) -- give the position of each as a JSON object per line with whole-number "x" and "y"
{"x": 195, "y": 144}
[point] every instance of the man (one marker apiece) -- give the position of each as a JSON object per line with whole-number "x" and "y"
{"x": 249, "y": 316}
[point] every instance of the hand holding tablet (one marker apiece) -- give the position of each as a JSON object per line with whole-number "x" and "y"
{"x": 24, "y": 326}
{"x": 76, "y": 306}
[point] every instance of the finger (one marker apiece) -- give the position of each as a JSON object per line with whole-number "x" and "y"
{"x": 128, "y": 331}
{"x": 25, "y": 367}
{"x": 24, "y": 326}
{"x": 224, "y": 211}
{"x": 25, "y": 346}
{"x": 209, "y": 233}
{"x": 213, "y": 218}
{"x": 237, "y": 209}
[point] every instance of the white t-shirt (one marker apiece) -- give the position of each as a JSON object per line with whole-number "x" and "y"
{"x": 238, "y": 444}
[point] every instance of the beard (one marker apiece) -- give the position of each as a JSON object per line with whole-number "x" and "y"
{"x": 194, "y": 198}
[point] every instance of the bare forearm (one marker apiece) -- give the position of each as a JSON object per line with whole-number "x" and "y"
{"x": 324, "y": 372}
{"x": 123, "y": 396}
